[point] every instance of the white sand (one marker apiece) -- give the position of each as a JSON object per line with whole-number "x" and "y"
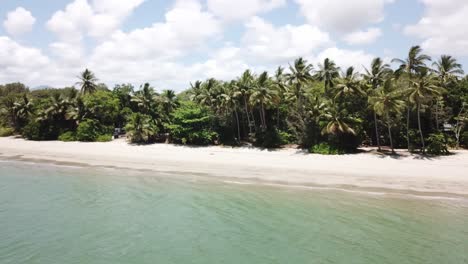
{"x": 444, "y": 175}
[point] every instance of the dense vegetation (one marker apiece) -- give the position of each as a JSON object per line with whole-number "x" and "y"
{"x": 419, "y": 105}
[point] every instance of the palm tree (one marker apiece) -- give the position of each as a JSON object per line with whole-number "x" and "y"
{"x": 338, "y": 121}
{"x": 279, "y": 84}
{"x": 169, "y": 101}
{"x": 230, "y": 102}
{"x": 141, "y": 128}
{"x": 448, "y": 70}
{"x": 77, "y": 111}
{"x": 87, "y": 82}
{"x": 423, "y": 88}
{"x": 56, "y": 111}
{"x": 299, "y": 75}
{"x": 327, "y": 73}
{"x": 348, "y": 83}
{"x": 263, "y": 96}
{"x": 386, "y": 102}
{"x": 23, "y": 107}
{"x": 145, "y": 98}
{"x": 245, "y": 85}
{"x": 375, "y": 77}
{"x": 209, "y": 93}
{"x": 414, "y": 63}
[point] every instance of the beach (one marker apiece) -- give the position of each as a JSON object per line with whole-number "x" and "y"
{"x": 433, "y": 176}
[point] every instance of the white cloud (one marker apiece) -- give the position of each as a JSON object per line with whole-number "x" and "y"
{"x": 241, "y": 9}
{"x": 19, "y": 21}
{"x": 363, "y": 37}
{"x": 343, "y": 16}
{"x": 20, "y": 63}
{"x": 151, "y": 53}
{"x": 346, "y": 58}
{"x": 443, "y": 27}
{"x": 98, "y": 19}
{"x": 263, "y": 41}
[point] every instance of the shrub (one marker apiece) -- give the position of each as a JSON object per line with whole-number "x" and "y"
{"x": 104, "y": 138}
{"x": 6, "y": 131}
{"x": 437, "y": 145}
{"x": 67, "y": 136}
{"x": 90, "y": 130}
{"x": 464, "y": 139}
{"x": 326, "y": 149}
{"x": 35, "y": 130}
{"x": 141, "y": 128}
{"x": 192, "y": 124}
{"x": 272, "y": 138}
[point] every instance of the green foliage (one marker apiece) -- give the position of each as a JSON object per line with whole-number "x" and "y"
{"x": 6, "y": 131}
{"x": 102, "y": 106}
{"x": 40, "y": 130}
{"x": 141, "y": 128}
{"x": 464, "y": 137}
{"x": 67, "y": 136}
{"x": 104, "y": 138}
{"x": 192, "y": 124}
{"x": 90, "y": 130}
{"x": 326, "y": 149}
{"x": 437, "y": 145}
{"x": 272, "y": 138}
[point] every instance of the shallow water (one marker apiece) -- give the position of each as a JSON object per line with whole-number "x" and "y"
{"x": 52, "y": 214}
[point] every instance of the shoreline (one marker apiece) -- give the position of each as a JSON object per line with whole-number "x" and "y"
{"x": 441, "y": 176}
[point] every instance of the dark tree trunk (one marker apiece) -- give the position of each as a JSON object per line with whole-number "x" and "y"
{"x": 377, "y": 136}
{"x": 247, "y": 113}
{"x": 420, "y": 130}
{"x": 407, "y": 126}
{"x": 238, "y": 126}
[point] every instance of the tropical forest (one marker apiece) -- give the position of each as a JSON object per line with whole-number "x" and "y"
{"x": 417, "y": 103}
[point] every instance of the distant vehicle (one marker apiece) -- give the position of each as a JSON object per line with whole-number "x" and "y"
{"x": 118, "y": 131}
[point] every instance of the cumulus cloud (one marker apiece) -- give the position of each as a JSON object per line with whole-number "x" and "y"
{"x": 363, "y": 37}
{"x": 151, "y": 52}
{"x": 343, "y": 16}
{"x": 19, "y": 62}
{"x": 97, "y": 19}
{"x": 19, "y": 21}
{"x": 346, "y": 58}
{"x": 443, "y": 27}
{"x": 241, "y": 9}
{"x": 263, "y": 41}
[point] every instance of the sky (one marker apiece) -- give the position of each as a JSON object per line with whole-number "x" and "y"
{"x": 170, "y": 43}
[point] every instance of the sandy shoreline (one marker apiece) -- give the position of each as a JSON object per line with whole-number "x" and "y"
{"x": 444, "y": 176}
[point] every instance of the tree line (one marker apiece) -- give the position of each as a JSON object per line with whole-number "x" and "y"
{"x": 420, "y": 105}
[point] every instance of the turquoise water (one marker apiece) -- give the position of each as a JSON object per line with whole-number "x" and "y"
{"x": 52, "y": 214}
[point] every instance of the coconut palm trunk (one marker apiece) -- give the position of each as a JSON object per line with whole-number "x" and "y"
{"x": 377, "y": 136}
{"x": 263, "y": 117}
{"x": 391, "y": 139}
{"x": 420, "y": 130}
{"x": 437, "y": 114}
{"x": 408, "y": 124}
{"x": 247, "y": 113}
{"x": 238, "y": 125}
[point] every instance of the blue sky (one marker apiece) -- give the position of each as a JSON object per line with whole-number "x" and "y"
{"x": 172, "y": 43}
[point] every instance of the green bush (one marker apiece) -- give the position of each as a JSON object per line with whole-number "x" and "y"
{"x": 141, "y": 128}
{"x": 464, "y": 139}
{"x": 272, "y": 138}
{"x": 104, "y": 138}
{"x": 6, "y": 131}
{"x": 437, "y": 145}
{"x": 35, "y": 130}
{"x": 67, "y": 136}
{"x": 192, "y": 124}
{"x": 326, "y": 149}
{"x": 90, "y": 130}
